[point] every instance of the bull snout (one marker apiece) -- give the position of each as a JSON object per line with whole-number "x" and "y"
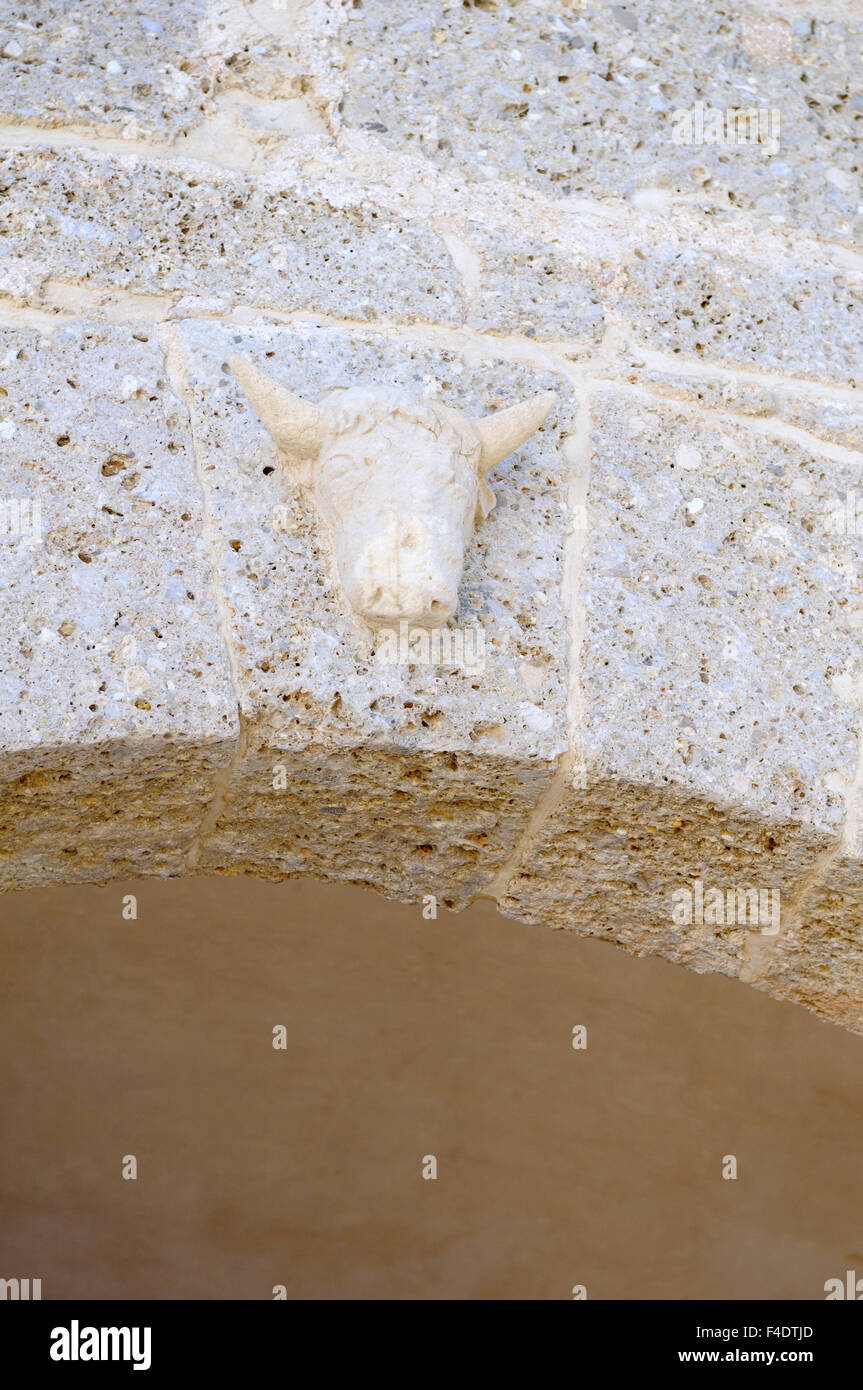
{"x": 399, "y": 578}
{"x": 432, "y": 607}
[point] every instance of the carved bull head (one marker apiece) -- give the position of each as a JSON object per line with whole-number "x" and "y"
{"x": 399, "y": 485}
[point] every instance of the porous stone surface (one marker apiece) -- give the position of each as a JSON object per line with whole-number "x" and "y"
{"x": 475, "y": 202}
{"x": 746, "y": 310}
{"x": 578, "y": 98}
{"x": 132, "y": 71}
{"x": 719, "y": 681}
{"x": 109, "y": 66}
{"x": 535, "y": 286}
{"x": 116, "y": 705}
{"x": 818, "y": 961}
{"x": 829, "y": 414}
{"x": 122, "y": 222}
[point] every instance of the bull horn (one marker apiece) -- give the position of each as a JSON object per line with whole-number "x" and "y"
{"x": 296, "y": 425}
{"x": 507, "y": 430}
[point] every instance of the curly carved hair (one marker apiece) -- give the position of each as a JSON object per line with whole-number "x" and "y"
{"x": 359, "y": 409}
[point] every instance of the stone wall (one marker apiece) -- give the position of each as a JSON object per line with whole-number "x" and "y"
{"x": 475, "y": 201}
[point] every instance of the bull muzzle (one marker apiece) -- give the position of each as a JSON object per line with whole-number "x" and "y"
{"x": 398, "y": 578}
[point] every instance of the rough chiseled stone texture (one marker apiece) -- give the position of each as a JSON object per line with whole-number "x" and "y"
{"x": 123, "y": 222}
{"x": 109, "y": 66}
{"x": 416, "y": 776}
{"x": 534, "y": 286}
{"x": 834, "y": 417}
{"x": 749, "y": 308}
{"x": 819, "y": 961}
{"x": 116, "y": 707}
{"x": 578, "y": 98}
{"x": 720, "y": 681}
{"x": 477, "y": 199}
{"x": 135, "y": 70}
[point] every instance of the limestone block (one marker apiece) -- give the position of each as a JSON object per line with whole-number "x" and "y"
{"x": 536, "y": 285}
{"x": 412, "y": 773}
{"x": 579, "y": 98}
{"x": 752, "y": 303}
{"x": 834, "y": 415}
{"x": 818, "y": 962}
{"x": 116, "y": 704}
{"x": 129, "y": 223}
{"x": 667, "y": 282}
{"x": 133, "y": 67}
{"x": 138, "y": 73}
{"x": 717, "y": 706}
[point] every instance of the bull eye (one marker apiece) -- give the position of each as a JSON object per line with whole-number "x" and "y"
{"x": 340, "y": 468}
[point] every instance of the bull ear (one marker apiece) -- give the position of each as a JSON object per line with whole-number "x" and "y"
{"x": 296, "y": 425}
{"x": 485, "y": 501}
{"x": 507, "y": 430}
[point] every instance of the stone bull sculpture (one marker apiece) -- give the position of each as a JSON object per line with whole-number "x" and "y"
{"x": 399, "y": 485}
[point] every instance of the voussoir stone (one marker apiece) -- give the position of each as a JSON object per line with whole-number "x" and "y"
{"x": 138, "y": 72}
{"x": 117, "y": 710}
{"x": 718, "y": 708}
{"x": 534, "y": 286}
{"x": 744, "y": 301}
{"x": 834, "y": 415}
{"x": 819, "y": 961}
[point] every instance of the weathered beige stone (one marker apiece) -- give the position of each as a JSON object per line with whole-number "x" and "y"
{"x": 717, "y": 707}
{"x": 831, "y": 415}
{"x": 541, "y": 287}
{"x": 120, "y": 68}
{"x": 819, "y": 961}
{"x": 135, "y": 72}
{"x": 580, "y": 99}
{"x": 116, "y": 705}
{"x": 468, "y": 204}
{"x": 123, "y": 222}
{"x": 753, "y": 304}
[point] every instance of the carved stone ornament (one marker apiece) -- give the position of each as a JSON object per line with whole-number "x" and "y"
{"x": 398, "y": 484}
